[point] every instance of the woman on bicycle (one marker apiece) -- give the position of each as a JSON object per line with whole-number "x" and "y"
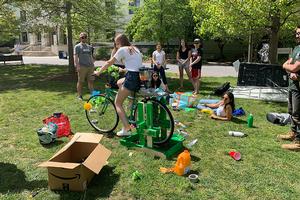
{"x": 132, "y": 59}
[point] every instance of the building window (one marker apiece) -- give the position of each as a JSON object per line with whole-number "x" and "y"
{"x": 23, "y": 15}
{"x": 133, "y": 3}
{"x": 24, "y": 37}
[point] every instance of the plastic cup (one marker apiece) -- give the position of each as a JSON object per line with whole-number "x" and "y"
{"x": 235, "y": 155}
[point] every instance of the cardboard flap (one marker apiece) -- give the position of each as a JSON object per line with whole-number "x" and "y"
{"x": 87, "y": 137}
{"x": 97, "y": 159}
{"x": 59, "y": 165}
{"x": 80, "y": 137}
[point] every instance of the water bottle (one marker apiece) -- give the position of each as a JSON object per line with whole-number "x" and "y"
{"x": 250, "y": 120}
{"x": 236, "y": 133}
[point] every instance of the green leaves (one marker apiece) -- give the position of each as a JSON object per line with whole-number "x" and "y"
{"x": 8, "y": 23}
{"x": 159, "y": 20}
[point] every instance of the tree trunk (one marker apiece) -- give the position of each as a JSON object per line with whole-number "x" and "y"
{"x": 250, "y": 47}
{"x": 274, "y": 37}
{"x": 70, "y": 37}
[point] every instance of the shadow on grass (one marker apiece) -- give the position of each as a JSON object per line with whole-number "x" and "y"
{"x": 54, "y": 144}
{"x": 13, "y": 180}
{"x": 238, "y": 120}
{"x": 57, "y": 79}
{"x": 101, "y": 186}
{"x": 206, "y": 88}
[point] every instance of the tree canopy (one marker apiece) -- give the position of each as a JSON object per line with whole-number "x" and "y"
{"x": 8, "y": 23}
{"x": 159, "y": 20}
{"x": 237, "y": 19}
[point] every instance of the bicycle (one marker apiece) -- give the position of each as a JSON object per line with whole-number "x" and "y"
{"x": 103, "y": 115}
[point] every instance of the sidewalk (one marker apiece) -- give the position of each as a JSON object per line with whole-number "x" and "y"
{"x": 211, "y": 70}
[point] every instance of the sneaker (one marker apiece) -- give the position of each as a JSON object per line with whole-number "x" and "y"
{"x": 289, "y": 136}
{"x": 294, "y": 146}
{"x": 123, "y": 133}
{"x": 80, "y": 98}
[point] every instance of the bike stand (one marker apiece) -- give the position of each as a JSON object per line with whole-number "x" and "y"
{"x": 147, "y": 134}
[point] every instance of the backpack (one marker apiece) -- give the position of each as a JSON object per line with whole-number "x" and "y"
{"x": 47, "y": 134}
{"x": 219, "y": 91}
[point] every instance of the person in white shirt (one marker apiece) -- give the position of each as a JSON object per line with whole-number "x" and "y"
{"x": 132, "y": 59}
{"x": 159, "y": 61}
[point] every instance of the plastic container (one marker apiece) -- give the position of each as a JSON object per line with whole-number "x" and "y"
{"x": 235, "y": 155}
{"x": 183, "y": 163}
{"x": 250, "y": 121}
{"x": 193, "y": 178}
{"x": 236, "y": 133}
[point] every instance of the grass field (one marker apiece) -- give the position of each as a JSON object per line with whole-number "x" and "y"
{"x": 30, "y": 93}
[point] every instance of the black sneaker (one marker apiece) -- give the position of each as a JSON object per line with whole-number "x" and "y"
{"x": 80, "y": 98}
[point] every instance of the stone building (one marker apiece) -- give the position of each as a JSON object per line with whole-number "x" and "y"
{"x": 50, "y": 42}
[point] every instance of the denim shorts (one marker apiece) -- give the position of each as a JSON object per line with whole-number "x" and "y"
{"x": 132, "y": 81}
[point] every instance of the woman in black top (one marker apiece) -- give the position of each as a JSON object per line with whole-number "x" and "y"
{"x": 183, "y": 57}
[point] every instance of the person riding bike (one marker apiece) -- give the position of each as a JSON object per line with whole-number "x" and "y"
{"x": 132, "y": 59}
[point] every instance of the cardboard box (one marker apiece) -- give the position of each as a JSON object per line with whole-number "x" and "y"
{"x": 73, "y": 167}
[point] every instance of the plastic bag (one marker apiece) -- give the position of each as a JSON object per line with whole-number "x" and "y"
{"x": 62, "y": 122}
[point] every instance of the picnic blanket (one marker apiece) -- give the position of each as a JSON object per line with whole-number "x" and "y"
{"x": 182, "y": 100}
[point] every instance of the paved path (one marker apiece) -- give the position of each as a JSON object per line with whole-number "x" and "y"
{"x": 211, "y": 70}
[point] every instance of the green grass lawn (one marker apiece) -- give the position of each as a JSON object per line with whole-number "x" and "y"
{"x": 28, "y": 94}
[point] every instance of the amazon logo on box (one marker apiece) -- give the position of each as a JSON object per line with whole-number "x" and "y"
{"x": 74, "y": 166}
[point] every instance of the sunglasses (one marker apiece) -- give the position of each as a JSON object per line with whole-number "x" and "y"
{"x": 297, "y": 33}
{"x": 155, "y": 75}
{"x": 225, "y": 98}
{"x": 83, "y": 37}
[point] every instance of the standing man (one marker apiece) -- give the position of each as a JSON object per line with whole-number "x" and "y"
{"x": 292, "y": 66}
{"x": 84, "y": 63}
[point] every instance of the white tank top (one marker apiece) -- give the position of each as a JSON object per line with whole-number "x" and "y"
{"x": 221, "y": 111}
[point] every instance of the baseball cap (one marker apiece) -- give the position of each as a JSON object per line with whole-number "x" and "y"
{"x": 197, "y": 40}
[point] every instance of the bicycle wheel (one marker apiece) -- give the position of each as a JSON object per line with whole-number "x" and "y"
{"x": 103, "y": 115}
{"x": 163, "y": 119}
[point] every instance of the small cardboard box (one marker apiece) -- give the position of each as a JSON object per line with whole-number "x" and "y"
{"x": 73, "y": 167}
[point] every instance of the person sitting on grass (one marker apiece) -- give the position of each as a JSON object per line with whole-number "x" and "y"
{"x": 222, "y": 109}
{"x": 156, "y": 82}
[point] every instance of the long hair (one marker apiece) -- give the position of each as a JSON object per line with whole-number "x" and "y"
{"x": 231, "y": 100}
{"x": 180, "y": 46}
{"x": 155, "y": 84}
{"x": 124, "y": 41}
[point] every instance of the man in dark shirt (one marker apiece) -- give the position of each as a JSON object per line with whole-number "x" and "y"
{"x": 292, "y": 66}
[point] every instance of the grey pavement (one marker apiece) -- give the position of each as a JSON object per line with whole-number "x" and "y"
{"x": 211, "y": 70}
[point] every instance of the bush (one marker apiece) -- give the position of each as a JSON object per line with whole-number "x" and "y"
{"x": 102, "y": 53}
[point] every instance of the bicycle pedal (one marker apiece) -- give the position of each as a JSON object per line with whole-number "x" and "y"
{"x": 93, "y": 111}
{"x": 94, "y": 121}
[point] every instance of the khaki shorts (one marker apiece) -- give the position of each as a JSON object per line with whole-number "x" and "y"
{"x": 86, "y": 73}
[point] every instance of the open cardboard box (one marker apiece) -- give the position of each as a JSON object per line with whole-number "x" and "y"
{"x": 73, "y": 167}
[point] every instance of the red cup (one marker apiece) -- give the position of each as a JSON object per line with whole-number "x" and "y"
{"x": 235, "y": 155}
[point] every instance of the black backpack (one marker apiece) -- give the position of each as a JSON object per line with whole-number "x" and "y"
{"x": 222, "y": 89}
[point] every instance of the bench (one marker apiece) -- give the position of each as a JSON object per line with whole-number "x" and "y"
{"x": 5, "y": 58}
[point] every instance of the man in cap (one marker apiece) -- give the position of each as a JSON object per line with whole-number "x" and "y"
{"x": 84, "y": 63}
